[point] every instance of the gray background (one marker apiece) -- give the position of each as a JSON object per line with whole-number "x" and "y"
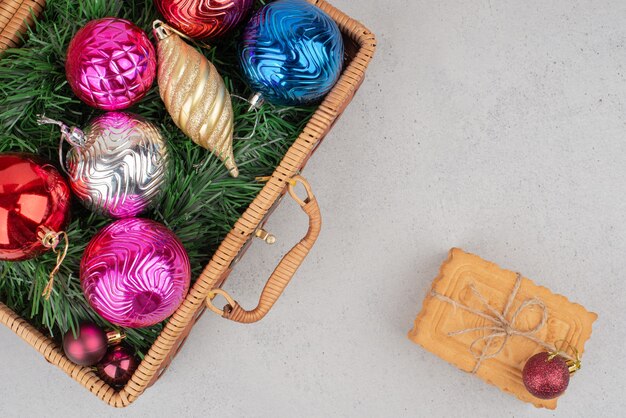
{"x": 495, "y": 126}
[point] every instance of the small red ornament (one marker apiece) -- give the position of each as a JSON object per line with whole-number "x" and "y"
{"x": 201, "y": 19}
{"x": 546, "y": 375}
{"x": 90, "y": 345}
{"x": 34, "y": 206}
{"x": 117, "y": 366}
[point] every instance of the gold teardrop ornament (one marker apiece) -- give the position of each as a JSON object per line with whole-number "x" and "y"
{"x": 195, "y": 95}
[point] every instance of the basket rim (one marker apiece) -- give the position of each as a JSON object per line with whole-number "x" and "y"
{"x": 175, "y": 331}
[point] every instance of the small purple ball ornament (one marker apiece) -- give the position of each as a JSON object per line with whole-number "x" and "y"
{"x": 111, "y": 64}
{"x": 135, "y": 272}
{"x": 89, "y": 346}
{"x": 117, "y": 366}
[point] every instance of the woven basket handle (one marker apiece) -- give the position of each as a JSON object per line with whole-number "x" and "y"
{"x": 285, "y": 270}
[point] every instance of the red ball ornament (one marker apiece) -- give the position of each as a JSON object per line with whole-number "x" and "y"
{"x": 546, "y": 375}
{"x": 34, "y": 202}
{"x": 118, "y": 366}
{"x": 110, "y": 64}
{"x": 201, "y": 19}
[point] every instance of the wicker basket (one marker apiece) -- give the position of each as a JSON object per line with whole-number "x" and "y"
{"x": 360, "y": 46}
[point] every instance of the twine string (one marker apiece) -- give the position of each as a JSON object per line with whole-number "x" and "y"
{"x": 500, "y": 326}
{"x": 51, "y": 240}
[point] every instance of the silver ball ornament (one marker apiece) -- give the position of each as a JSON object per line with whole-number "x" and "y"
{"x": 117, "y": 165}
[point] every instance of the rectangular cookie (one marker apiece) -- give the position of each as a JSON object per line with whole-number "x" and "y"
{"x": 458, "y": 274}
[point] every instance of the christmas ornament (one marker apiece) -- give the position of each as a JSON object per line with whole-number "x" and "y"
{"x": 195, "y": 95}
{"x": 546, "y": 375}
{"x": 118, "y": 165}
{"x": 34, "y": 200}
{"x": 135, "y": 272}
{"x": 110, "y": 64}
{"x": 90, "y": 345}
{"x": 488, "y": 321}
{"x": 291, "y": 53}
{"x": 34, "y": 210}
{"x": 201, "y": 19}
{"x": 117, "y": 366}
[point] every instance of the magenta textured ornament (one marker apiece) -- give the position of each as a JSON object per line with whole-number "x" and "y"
{"x": 546, "y": 376}
{"x": 204, "y": 18}
{"x": 135, "y": 272}
{"x": 111, "y": 64}
{"x": 117, "y": 366}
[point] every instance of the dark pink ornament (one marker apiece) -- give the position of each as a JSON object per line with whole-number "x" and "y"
{"x": 201, "y": 19}
{"x": 111, "y": 64}
{"x": 88, "y": 347}
{"x": 135, "y": 272}
{"x": 546, "y": 376}
{"x": 117, "y": 366}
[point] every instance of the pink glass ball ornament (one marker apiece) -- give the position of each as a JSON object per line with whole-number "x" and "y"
{"x": 110, "y": 64}
{"x": 135, "y": 272}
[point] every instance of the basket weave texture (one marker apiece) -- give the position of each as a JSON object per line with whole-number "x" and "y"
{"x": 15, "y": 15}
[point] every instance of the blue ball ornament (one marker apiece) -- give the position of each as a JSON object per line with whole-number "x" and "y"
{"x": 291, "y": 53}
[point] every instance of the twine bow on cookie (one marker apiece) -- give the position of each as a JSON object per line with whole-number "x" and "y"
{"x": 499, "y": 325}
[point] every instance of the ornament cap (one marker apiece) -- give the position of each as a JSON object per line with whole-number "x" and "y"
{"x": 573, "y": 366}
{"x": 115, "y": 337}
{"x": 160, "y": 30}
{"x": 256, "y": 101}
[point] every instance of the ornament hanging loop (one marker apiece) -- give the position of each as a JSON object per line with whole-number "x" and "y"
{"x": 51, "y": 240}
{"x": 256, "y": 119}
{"x": 74, "y": 136}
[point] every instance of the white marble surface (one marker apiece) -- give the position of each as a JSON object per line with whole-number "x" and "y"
{"x": 496, "y": 126}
